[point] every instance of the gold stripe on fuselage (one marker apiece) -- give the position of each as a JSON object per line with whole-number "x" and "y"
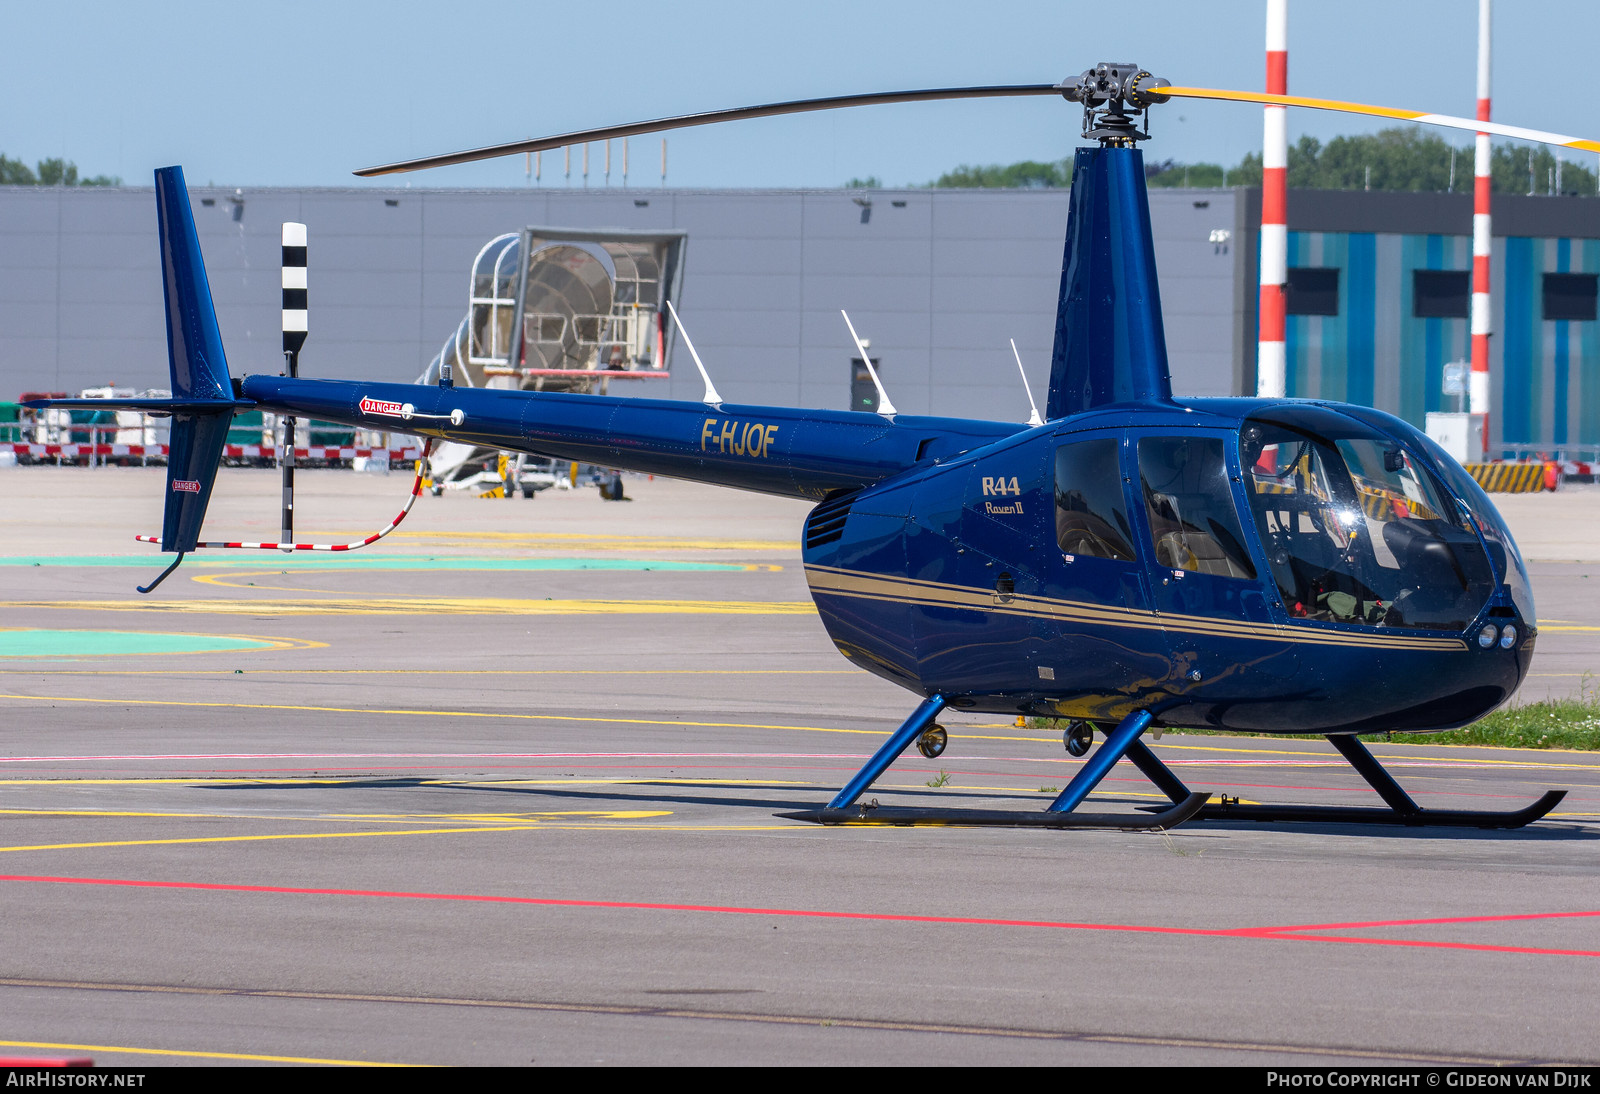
{"x": 905, "y": 590}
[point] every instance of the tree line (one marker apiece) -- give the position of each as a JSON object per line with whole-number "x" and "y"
{"x": 1404, "y": 158}
{"x": 49, "y": 172}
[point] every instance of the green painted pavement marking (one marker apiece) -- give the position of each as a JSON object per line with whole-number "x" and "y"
{"x": 267, "y": 560}
{"x": 46, "y": 643}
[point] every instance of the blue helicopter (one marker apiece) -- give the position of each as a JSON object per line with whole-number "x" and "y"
{"x": 1135, "y": 562}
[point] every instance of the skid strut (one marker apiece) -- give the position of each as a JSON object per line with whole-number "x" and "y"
{"x": 843, "y": 810}
{"x": 1402, "y": 810}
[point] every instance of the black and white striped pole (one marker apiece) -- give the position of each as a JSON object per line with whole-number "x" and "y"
{"x": 294, "y": 336}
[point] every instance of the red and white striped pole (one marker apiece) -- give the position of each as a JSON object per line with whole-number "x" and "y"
{"x": 1478, "y": 397}
{"x": 1271, "y": 359}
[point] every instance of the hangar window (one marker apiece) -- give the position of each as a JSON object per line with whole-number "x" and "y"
{"x": 1569, "y": 296}
{"x": 1441, "y": 294}
{"x": 1313, "y": 290}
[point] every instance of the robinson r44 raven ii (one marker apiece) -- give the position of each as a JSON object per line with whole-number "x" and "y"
{"x": 1135, "y": 562}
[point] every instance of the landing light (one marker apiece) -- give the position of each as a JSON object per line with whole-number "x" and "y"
{"x": 1508, "y": 637}
{"x": 1487, "y": 636}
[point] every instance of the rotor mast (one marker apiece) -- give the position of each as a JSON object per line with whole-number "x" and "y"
{"x": 1110, "y": 345}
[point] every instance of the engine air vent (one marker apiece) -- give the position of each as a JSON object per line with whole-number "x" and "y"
{"x": 826, "y": 523}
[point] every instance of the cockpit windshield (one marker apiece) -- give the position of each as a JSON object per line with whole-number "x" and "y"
{"x": 1355, "y": 529}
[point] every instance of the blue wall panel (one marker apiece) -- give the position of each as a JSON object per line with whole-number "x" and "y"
{"x": 1520, "y": 349}
{"x": 1362, "y": 334}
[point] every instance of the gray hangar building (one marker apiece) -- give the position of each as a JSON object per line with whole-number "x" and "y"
{"x": 937, "y": 280}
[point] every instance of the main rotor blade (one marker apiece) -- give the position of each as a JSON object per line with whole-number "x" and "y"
{"x": 683, "y": 121}
{"x": 1469, "y": 124}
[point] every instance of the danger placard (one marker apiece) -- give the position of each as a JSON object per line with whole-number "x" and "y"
{"x": 380, "y": 406}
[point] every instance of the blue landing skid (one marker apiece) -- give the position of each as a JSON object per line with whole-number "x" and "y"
{"x": 844, "y": 810}
{"x": 1402, "y": 810}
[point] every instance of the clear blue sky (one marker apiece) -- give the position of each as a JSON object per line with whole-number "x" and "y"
{"x": 296, "y": 93}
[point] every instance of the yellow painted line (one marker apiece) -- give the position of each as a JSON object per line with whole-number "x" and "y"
{"x": 196, "y": 1054}
{"x": 1543, "y": 628}
{"x": 353, "y": 818}
{"x": 793, "y": 826}
{"x": 275, "y": 671}
{"x": 429, "y": 605}
{"x": 601, "y": 541}
{"x": 141, "y": 782}
{"x": 966, "y": 787}
{"x": 639, "y": 781}
{"x": 1311, "y": 757}
{"x": 339, "y": 780}
{"x": 556, "y": 825}
{"x": 429, "y": 713}
{"x": 308, "y": 835}
{"x": 234, "y": 580}
{"x": 131, "y": 813}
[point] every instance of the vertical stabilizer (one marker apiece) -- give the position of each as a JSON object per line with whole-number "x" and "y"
{"x": 1110, "y": 346}
{"x": 199, "y": 368}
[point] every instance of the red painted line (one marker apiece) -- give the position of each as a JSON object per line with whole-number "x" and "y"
{"x": 1275, "y": 934}
{"x": 1431, "y": 945}
{"x": 619, "y": 905}
{"x": 1429, "y": 922}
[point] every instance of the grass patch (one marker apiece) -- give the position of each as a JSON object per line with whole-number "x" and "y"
{"x": 1552, "y": 723}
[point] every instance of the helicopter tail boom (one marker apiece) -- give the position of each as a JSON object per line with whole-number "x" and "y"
{"x": 787, "y": 451}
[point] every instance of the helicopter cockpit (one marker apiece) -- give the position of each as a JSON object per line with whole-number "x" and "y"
{"x": 1358, "y": 531}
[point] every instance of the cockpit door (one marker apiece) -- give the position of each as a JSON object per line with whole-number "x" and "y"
{"x": 1203, "y": 573}
{"x": 1100, "y": 646}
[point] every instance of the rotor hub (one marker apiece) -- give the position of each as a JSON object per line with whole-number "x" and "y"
{"x": 1115, "y": 95}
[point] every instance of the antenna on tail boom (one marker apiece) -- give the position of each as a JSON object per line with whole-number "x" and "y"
{"x": 711, "y": 397}
{"x": 1033, "y": 419}
{"x": 885, "y": 407}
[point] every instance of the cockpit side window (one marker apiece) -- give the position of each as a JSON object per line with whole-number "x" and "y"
{"x": 1091, "y": 511}
{"x": 1193, "y": 523}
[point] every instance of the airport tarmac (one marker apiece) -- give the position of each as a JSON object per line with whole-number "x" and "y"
{"x": 503, "y": 789}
